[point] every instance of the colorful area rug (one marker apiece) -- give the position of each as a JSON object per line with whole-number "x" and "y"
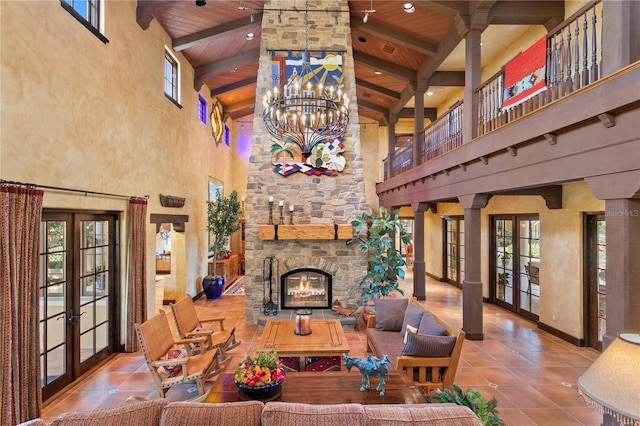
{"x": 235, "y": 289}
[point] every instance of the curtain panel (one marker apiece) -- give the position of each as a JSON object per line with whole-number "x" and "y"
{"x": 137, "y": 275}
{"x": 20, "y": 387}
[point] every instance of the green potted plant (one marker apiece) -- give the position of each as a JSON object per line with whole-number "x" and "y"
{"x": 384, "y": 262}
{"x": 486, "y": 411}
{"x": 223, "y": 219}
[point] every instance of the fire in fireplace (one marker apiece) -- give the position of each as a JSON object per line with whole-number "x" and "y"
{"x": 308, "y": 288}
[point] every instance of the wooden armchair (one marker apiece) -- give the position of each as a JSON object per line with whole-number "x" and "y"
{"x": 190, "y": 326}
{"x": 156, "y": 340}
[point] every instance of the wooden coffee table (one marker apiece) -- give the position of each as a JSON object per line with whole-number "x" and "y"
{"x": 333, "y": 387}
{"x": 326, "y": 340}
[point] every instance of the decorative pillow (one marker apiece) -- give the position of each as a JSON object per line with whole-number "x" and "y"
{"x": 390, "y": 314}
{"x": 429, "y": 325}
{"x": 409, "y": 329}
{"x": 172, "y": 370}
{"x": 428, "y": 346}
{"x": 412, "y": 317}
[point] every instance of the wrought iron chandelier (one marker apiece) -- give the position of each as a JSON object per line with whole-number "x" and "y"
{"x": 305, "y": 112}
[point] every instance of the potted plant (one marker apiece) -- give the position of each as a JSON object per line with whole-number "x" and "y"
{"x": 223, "y": 219}
{"x": 384, "y": 262}
{"x": 486, "y": 411}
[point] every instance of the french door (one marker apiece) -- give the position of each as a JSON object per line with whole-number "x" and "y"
{"x": 454, "y": 250}
{"x": 596, "y": 280}
{"x": 515, "y": 268}
{"x": 77, "y": 298}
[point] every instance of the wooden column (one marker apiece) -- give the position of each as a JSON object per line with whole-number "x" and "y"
{"x": 472, "y": 79}
{"x": 419, "y": 269}
{"x": 472, "y": 284}
{"x": 418, "y": 122}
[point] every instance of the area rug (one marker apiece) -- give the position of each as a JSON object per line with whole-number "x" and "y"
{"x": 235, "y": 289}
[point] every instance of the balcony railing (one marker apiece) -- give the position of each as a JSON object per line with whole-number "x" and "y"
{"x": 573, "y": 60}
{"x": 574, "y": 56}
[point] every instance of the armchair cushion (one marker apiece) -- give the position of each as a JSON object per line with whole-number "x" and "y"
{"x": 143, "y": 413}
{"x": 297, "y": 414}
{"x": 172, "y": 370}
{"x": 390, "y": 314}
{"x": 412, "y": 317}
{"x": 428, "y": 346}
{"x": 429, "y": 325}
{"x": 227, "y": 413}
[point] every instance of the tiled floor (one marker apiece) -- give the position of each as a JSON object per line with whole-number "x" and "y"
{"x": 531, "y": 373}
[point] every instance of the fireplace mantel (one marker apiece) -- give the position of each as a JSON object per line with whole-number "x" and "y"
{"x": 306, "y": 232}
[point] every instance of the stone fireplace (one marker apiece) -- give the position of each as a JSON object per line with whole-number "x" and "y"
{"x": 315, "y": 200}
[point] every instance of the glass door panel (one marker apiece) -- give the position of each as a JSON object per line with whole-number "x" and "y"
{"x": 77, "y": 320}
{"x": 454, "y": 256}
{"x": 503, "y": 282}
{"x": 529, "y": 266}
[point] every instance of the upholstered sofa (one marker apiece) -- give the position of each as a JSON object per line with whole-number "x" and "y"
{"x": 250, "y": 413}
{"x": 416, "y": 341}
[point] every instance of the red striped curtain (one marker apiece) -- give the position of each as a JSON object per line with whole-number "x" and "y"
{"x": 137, "y": 277}
{"x": 20, "y": 391}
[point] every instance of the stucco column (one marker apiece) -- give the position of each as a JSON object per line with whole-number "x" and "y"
{"x": 620, "y": 35}
{"x": 472, "y": 79}
{"x": 472, "y": 284}
{"x": 419, "y": 269}
{"x": 391, "y": 144}
{"x": 621, "y": 192}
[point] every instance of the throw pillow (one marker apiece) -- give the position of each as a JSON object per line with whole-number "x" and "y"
{"x": 412, "y": 317}
{"x": 429, "y": 325}
{"x": 172, "y": 370}
{"x": 410, "y": 329}
{"x": 428, "y": 346}
{"x": 390, "y": 314}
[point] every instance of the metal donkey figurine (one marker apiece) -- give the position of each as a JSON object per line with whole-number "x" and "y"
{"x": 372, "y": 366}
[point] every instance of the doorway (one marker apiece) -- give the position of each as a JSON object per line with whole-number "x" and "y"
{"x": 454, "y": 249}
{"x": 515, "y": 264}
{"x": 77, "y": 297}
{"x": 596, "y": 280}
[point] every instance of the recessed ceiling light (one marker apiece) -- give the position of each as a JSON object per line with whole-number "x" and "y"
{"x": 362, "y": 39}
{"x": 408, "y": 7}
{"x": 234, "y": 69}
{"x": 429, "y": 93}
{"x": 377, "y": 72}
{"x": 249, "y": 36}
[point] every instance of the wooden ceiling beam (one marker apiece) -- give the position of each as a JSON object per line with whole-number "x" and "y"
{"x": 430, "y": 113}
{"x": 223, "y": 66}
{"x": 526, "y": 12}
{"x": 388, "y": 68}
{"x": 379, "y": 90}
{"x": 146, "y": 8}
{"x": 447, "y": 79}
{"x": 233, "y": 86}
{"x": 447, "y": 7}
{"x": 396, "y": 36}
{"x": 237, "y": 106}
{"x": 373, "y": 107}
{"x": 239, "y": 26}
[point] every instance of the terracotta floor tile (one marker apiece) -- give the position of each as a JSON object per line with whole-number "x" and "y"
{"x": 525, "y": 364}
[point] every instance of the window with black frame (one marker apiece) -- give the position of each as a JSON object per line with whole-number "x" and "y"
{"x": 89, "y": 13}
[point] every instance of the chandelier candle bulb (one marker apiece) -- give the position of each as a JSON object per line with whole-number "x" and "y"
{"x": 291, "y": 208}
{"x": 281, "y": 203}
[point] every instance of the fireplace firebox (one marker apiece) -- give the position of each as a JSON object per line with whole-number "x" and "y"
{"x": 305, "y": 288}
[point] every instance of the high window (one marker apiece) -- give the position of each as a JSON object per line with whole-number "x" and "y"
{"x": 171, "y": 77}
{"x": 202, "y": 109}
{"x": 88, "y": 13}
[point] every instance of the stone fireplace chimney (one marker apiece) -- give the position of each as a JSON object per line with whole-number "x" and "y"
{"x": 317, "y": 200}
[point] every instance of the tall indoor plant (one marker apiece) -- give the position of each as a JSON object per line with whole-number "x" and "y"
{"x": 384, "y": 262}
{"x": 223, "y": 219}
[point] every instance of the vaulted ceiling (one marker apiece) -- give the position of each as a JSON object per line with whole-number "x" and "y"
{"x": 394, "y": 52}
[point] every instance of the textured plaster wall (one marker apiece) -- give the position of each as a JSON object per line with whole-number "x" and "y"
{"x": 561, "y": 249}
{"x": 77, "y": 113}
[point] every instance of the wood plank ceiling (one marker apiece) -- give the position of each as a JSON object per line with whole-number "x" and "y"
{"x": 394, "y": 51}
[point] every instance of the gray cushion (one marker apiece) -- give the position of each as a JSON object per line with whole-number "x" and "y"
{"x": 386, "y": 343}
{"x": 429, "y": 325}
{"x": 428, "y": 346}
{"x": 390, "y": 314}
{"x": 412, "y": 317}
